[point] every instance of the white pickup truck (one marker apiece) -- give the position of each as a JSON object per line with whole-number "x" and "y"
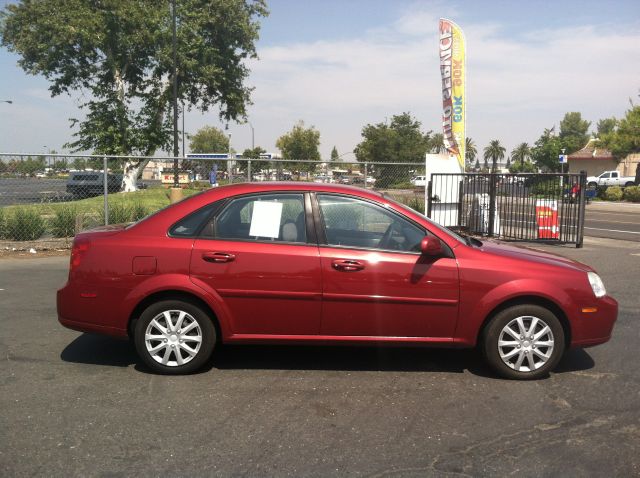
{"x": 610, "y": 178}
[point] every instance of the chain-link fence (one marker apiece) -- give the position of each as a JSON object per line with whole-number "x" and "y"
{"x": 51, "y": 197}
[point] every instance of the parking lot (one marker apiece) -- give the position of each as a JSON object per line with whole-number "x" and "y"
{"x": 80, "y": 405}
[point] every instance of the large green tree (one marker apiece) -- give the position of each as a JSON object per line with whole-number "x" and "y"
{"x": 625, "y": 139}
{"x": 574, "y": 132}
{"x": 606, "y": 126}
{"x": 300, "y": 143}
{"x": 118, "y": 54}
{"x": 495, "y": 151}
{"x": 401, "y": 140}
{"x": 471, "y": 151}
{"x": 521, "y": 153}
{"x": 546, "y": 150}
{"x": 334, "y": 154}
{"x": 207, "y": 139}
{"x": 257, "y": 164}
{"x": 436, "y": 144}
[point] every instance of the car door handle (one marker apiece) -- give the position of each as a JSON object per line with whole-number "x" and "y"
{"x": 347, "y": 265}
{"x": 218, "y": 257}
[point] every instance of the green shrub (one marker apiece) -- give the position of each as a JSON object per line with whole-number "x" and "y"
{"x": 63, "y": 224}
{"x": 402, "y": 185}
{"x": 415, "y": 203}
{"x": 138, "y": 211}
{"x": 601, "y": 192}
{"x": 118, "y": 214}
{"x": 3, "y": 225}
{"x": 613, "y": 193}
{"x": 24, "y": 225}
{"x": 199, "y": 185}
{"x": 632, "y": 193}
{"x": 545, "y": 187}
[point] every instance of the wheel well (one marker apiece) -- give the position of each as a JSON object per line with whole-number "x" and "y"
{"x": 530, "y": 299}
{"x": 172, "y": 295}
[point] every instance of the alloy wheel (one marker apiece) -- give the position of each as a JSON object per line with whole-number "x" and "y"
{"x": 173, "y": 338}
{"x": 526, "y": 343}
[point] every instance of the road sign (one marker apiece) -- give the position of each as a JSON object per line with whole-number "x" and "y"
{"x": 562, "y": 158}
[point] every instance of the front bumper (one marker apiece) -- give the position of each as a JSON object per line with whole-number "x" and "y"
{"x": 594, "y": 328}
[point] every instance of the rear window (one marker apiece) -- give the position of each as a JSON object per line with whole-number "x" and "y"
{"x": 190, "y": 225}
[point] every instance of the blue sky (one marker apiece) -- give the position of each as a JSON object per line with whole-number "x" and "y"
{"x": 339, "y": 65}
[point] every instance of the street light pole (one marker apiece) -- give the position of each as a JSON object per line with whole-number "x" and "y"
{"x": 253, "y": 143}
{"x": 183, "y": 129}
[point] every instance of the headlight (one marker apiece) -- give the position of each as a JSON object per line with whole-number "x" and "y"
{"x": 596, "y": 284}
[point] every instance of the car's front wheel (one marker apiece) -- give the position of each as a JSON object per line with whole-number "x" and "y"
{"x": 523, "y": 342}
{"x": 174, "y": 337}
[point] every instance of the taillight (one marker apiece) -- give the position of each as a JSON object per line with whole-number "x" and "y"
{"x": 78, "y": 251}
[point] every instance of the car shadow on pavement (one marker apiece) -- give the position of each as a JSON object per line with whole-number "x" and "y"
{"x": 365, "y": 358}
{"x": 100, "y": 350}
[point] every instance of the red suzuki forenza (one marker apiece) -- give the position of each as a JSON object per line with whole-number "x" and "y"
{"x": 319, "y": 263}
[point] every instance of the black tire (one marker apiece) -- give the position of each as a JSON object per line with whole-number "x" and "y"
{"x": 629, "y": 184}
{"x": 204, "y": 328}
{"x": 493, "y": 330}
{"x": 592, "y": 185}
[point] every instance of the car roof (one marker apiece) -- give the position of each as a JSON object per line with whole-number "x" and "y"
{"x": 256, "y": 187}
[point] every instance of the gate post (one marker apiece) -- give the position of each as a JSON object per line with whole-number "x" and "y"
{"x": 492, "y": 203}
{"x": 581, "y": 210}
{"x": 460, "y": 199}
{"x": 105, "y": 190}
{"x": 429, "y": 200}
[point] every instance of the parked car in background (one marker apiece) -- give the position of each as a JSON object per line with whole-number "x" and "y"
{"x": 85, "y": 184}
{"x": 323, "y": 179}
{"x": 610, "y": 178}
{"x": 419, "y": 181}
{"x": 307, "y": 263}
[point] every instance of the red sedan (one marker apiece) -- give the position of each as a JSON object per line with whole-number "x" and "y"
{"x": 309, "y": 263}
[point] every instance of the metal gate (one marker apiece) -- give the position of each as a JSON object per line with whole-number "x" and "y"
{"x": 512, "y": 207}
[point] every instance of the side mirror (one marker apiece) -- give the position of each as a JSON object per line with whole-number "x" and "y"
{"x": 430, "y": 246}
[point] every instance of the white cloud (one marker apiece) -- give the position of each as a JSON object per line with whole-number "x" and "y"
{"x": 516, "y": 86}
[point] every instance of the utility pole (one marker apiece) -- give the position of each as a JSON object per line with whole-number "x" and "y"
{"x": 176, "y": 152}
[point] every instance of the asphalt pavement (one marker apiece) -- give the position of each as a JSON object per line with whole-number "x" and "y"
{"x": 82, "y": 405}
{"x": 613, "y": 220}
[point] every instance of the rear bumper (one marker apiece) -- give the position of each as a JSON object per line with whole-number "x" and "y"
{"x": 73, "y": 310}
{"x": 92, "y": 328}
{"x": 595, "y": 328}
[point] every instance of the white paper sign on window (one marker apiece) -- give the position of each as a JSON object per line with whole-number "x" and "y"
{"x": 265, "y": 220}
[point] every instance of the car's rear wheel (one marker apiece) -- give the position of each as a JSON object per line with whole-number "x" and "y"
{"x": 174, "y": 337}
{"x": 523, "y": 342}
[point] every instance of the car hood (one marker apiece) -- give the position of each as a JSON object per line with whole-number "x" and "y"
{"x": 532, "y": 255}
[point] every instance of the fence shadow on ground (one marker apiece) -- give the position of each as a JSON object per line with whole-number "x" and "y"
{"x": 98, "y": 350}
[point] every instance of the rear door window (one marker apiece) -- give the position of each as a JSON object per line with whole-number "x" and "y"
{"x": 275, "y": 217}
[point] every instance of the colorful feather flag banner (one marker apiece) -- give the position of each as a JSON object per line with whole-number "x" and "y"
{"x": 454, "y": 100}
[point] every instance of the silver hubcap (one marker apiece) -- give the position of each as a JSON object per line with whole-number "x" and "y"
{"x": 525, "y": 344}
{"x": 173, "y": 338}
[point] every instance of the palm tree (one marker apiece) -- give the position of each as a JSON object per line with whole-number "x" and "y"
{"x": 494, "y": 152}
{"x": 521, "y": 153}
{"x": 470, "y": 150}
{"x": 437, "y": 143}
